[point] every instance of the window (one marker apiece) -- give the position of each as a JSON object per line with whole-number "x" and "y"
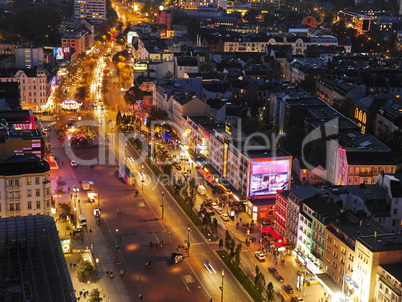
{"x": 395, "y": 211}
{"x": 38, "y": 204}
{"x": 10, "y": 182}
{"x": 11, "y": 207}
{"x": 28, "y": 180}
{"x": 29, "y": 193}
{"x": 37, "y": 192}
{"x": 17, "y": 206}
{"x": 36, "y": 180}
{"x": 29, "y": 205}
{"x": 16, "y": 182}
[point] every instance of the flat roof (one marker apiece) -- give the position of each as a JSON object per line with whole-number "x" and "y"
{"x": 32, "y": 258}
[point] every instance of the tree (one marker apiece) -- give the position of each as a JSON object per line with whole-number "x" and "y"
{"x": 85, "y": 270}
{"x": 65, "y": 209}
{"x": 94, "y": 296}
{"x": 192, "y": 192}
{"x": 228, "y": 239}
{"x": 220, "y": 244}
{"x": 237, "y": 253}
{"x": 81, "y": 93}
{"x": 270, "y": 292}
{"x": 232, "y": 246}
{"x": 260, "y": 282}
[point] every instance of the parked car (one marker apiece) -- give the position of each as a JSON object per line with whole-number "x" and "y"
{"x": 73, "y": 163}
{"x": 260, "y": 256}
{"x": 214, "y": 205}
{"x": 273, "y": 270}
{"x": 178, "y": 167}
{"x": 288, "y": 288}
{"x": 225, "y": 217}
{"x": 219, "y": 211}
{"x": 296, "y": 299}
{"x": 279, "y": 278}
{"x": 267, "y": 222}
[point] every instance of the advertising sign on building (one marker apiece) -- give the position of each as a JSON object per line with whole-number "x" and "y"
{"x": 268, "y": 176}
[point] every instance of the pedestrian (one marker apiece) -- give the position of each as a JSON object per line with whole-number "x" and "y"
{"x": 74, "y": 264}
{"x": 81, "y": 293}
{"x": 82, "y": 240}
{"x": 90, "y": 231}
{"x": 62, "y": 163}
{"x": 276, "y": 262}
{"x": 156, "y": 244}
{"x": 69, "y": 190}
{"x": 153, "y": 263}
{"x": 71, "y": 265}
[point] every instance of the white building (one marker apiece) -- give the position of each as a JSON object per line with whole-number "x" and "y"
{"x": 25, "y": 187}
{"x": 28, "y": 57}
{"x": 34, "y": 86}
{"x": 93, "y": 10}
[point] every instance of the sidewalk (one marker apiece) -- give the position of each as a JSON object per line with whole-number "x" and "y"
{"x": 111, "y": 289}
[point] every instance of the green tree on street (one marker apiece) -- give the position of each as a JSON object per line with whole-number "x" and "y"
{"x": 237, "y": 253}
{"x": 94, "y": 296}
{"x": 270, "y": 292}
{"x": 85, "y": 270}
{"x": 259, "y": 280}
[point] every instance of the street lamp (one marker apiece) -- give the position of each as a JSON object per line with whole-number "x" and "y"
{"x": 142, "y": 178}
{"x": 162, "y": 205}
{"x": 221, "y": 287}
{"x": 117, "y": 245}
{"x": 188, "y": 241}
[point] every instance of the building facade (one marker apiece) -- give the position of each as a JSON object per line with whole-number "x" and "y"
{"x": 25, "y": 186}
{"x": 93, "y": 10}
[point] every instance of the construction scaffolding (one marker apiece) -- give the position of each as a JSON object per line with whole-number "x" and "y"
{"x": 32, "y": 264}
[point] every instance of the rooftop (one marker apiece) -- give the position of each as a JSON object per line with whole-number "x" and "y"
{"x": 32, "y": 264}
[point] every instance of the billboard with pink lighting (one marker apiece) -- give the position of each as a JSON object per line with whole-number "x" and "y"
{"x": 266, "y": 176}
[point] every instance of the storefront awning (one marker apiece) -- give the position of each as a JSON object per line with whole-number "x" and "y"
{"x": 272, "y": 232}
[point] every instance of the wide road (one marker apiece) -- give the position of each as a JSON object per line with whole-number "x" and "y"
{"x": 128, "y": 236}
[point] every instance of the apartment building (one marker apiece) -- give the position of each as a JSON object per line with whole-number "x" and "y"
{"x": 25, "y": 186}
{"x": 92, "y": 10}
{"x": 28, "y": 57}
{"x": 76, "y": 40}
{"x": 360, "y": 22}
{"x": 34, "y": 86}
{"x": 357, "y": 158}
{"x": 388, "y": 119}
{"x": 348, "y": 250}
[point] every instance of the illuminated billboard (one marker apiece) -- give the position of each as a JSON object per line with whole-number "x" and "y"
{"x": 266, "y": 176}
{"x": 61, "y": 53}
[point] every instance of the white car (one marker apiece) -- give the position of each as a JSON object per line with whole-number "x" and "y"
{"x": 73, "y": 163}
{"x": 225, "y": 217}
{"x": 214, "y": 205}
{"x": 219, "y": 210}
{"x": 260, "y": 256}
{"x": 76, "y": 189}
{"x": 97, "y": 212}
